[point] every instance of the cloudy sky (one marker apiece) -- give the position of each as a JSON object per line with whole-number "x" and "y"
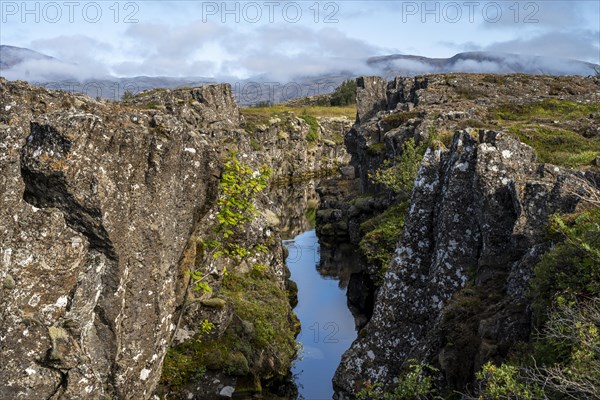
{"x": 243, "y": 39}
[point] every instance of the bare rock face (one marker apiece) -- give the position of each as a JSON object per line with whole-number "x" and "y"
{"x": 102, "y": 205}
{"x": 476, "y": 220}
{"x": 370, "y": 96}
{"x": 97, "y": 204}
{"x": 206, "y": 107}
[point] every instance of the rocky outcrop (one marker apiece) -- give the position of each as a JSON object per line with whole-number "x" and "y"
{"x": 429, "y": 107}
{"x": 454, "y": 294}
{"x": 283, "y": 143}
{"x": 103, "y": 207}
{"x": 413, "y": 108}
{"x": 97, "y": 207}
{"x": 476, "y": 220}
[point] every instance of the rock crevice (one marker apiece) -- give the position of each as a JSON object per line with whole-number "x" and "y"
{"x": 454, "y": 294}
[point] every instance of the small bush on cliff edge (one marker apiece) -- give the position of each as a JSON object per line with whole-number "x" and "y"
{"x": 345, "y": 94}
{"x": 564, "y": 361}
{"x": 259, "y": 342}
{"x": 235, "y": 208}
{"x": 505, "y": 382}
{"x": 399, "y": 174}
{"x": 415, "y": 384}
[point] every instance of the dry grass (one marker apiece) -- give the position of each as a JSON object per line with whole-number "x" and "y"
{"x": 315, "y": 111}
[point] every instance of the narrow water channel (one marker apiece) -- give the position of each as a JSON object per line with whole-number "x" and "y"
{"x": 328, "y": 327}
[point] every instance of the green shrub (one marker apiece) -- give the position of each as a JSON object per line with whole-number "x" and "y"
{"x": 505, "y": 382}
{"x": 381, "y": 235}
{"x": 415, "y": 384}
{"x": 564, "y": 362}
{"x": 571, "y": 270}
{"x": 206, "y": 327}
{"x": 235, "y": 208}
{"x": 313, "y": 131}
{"x": 399, "y": 174}
{"x": 563, "y": 359}
{"x": 570, "y": 363}
{"x": 345, "y": 94}
{"x": 128, "y": 95}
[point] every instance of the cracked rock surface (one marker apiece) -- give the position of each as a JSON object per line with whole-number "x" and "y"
{"x": 455, "y": 293}
{"x": 97, "y": 205}
{"x": 101, "y": 204}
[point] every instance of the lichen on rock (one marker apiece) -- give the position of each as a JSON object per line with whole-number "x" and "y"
{"x": 454, "y": 294}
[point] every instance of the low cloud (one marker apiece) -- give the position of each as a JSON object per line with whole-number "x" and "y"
{"x": 483, "y": 62}
{"x": 75, "y": 57}
{"x": 76, "y": 49}
{"x": 281, "y": 53}
{"x": 579, "y": 45}
{"x": 52, "y": 70}
{"x": 226, "y": 52}
{"x": 299, "y": 52}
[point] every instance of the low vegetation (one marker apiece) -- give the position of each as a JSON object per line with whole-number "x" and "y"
{"x": 265, "y": 113}
{"x": 259, "y": 339}
{"x": 563, "y": 359}
{"x": 313, "y": 131}
{"x": 558, "y": 146}
{"x": 345, "y": 94}
{"x": 317, "y": 111}
{"x": 415, "y": 384}
{"x": 570, "y": 272}
{"x": 562, "y": 132}
{"x": 398, "y": 175}
{"x": 342, "y": 103}
{"x": 550, "y": 109}
{"x": 257, "y": 117}
{"x": 381, "y": 235}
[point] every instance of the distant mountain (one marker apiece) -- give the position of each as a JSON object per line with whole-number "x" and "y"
{"x": 11, "y": 56}
{"x": 40, "y": 69}
{"x": 480, "y": 62}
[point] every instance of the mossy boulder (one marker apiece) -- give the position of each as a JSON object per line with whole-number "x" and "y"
{"x": 236, "y": 364}
{"x": 214, "y": 302}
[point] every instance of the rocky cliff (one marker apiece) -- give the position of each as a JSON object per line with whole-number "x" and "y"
{"x": 97, "y": 206}
{"x": 455, "y": 292}
{"x": 102, "y": 206}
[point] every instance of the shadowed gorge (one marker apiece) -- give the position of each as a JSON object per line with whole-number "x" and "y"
{"x": 450, "y": 222}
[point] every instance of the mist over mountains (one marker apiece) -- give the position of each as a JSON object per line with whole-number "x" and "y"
{"x": 11, "y": 56}
{"x": 18, "y": 63}
{"x": 481, "y": 62}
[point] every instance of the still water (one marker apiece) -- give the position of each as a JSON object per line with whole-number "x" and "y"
{"x": 328, "y": 327}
